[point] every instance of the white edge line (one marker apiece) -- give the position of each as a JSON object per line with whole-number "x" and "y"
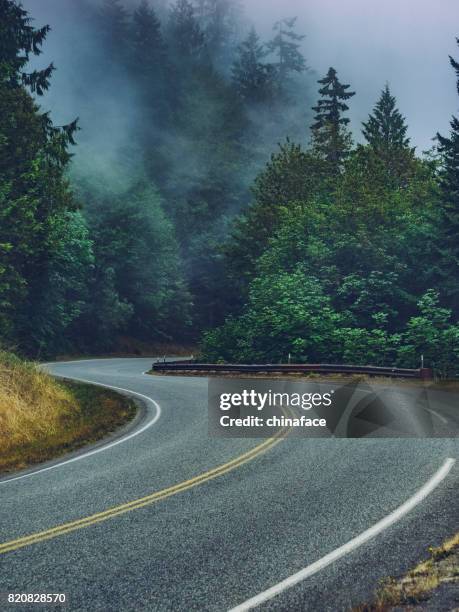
{"x": 106, "y": 446}
{"x": 366, "y": 535}
{"x": 439, "y": 416}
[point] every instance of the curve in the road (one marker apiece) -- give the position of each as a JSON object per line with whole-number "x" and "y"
{"x": 84, "y": 454}
{"x": 209, "y": 529}
{"x": 135, "y": 504}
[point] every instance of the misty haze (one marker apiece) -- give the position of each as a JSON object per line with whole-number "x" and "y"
{"x": 249, "y": 182}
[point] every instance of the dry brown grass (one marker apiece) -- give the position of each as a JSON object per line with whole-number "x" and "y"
{"x": 32, "y": 405}
{"x": 41, "y": 418}
{"x": 417, "y": 585}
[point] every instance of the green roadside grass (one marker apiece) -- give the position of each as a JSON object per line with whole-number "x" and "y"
{"x": 42, "y": 418}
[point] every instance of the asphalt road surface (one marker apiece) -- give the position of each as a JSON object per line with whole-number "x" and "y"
{"x": 162, "y": 517}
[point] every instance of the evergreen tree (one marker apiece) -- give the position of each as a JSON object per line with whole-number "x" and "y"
{"x": 385, "y": 132}
{"x": 135, "y": 240}
{"x": 386, "y": 129}
{"x": 114, "y": 25}
{"x": 286, "y": 48}
{"x": 290, "y": 176}
{"x": 187, "y": 38}
{"x": 59, "y": 296}
{"x": 449, "y": 149}
{"x": 252, "y": 77}
{"x": 330, "y": 137}
{"x": 147, "y": 46}
{"x": 218, "y": 20}
{"x": 149, "y": 68}
{"x": 34, "y": 197}
{"x": 18, "y": 41}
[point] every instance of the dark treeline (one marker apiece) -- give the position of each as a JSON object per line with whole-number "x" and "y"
{"x": 177, "y": 116}
{"x": 168, "y": 224}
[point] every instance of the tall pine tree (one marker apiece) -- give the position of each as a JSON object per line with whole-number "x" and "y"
{"x": 385, "y": 131}
{"x": 330, "y": 137}
{"x": 18, "y": 41}
{"x": 187, "y": 40}
{"x": 218, "y": 20}
{"x": 147, "y": 46}
{"x": 286, "y": 48}
{"x": 113, "y": 21}
{"x": 252, "y": 77}
{"x": 386, "y": 128}
{"x": 449, "y": 149}
{"x": 149, "y": 67}
{"x": 34, "y": 197}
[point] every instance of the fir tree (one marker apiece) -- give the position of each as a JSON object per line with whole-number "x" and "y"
{"x": 148, "y": 50}
{"x": 385, "y": 132}
{"x": 449, "y": 149}
{"x": 18, "y": 41}
{"x": 34, "y": 197}
{"x": 292, "y": 175}
{"x": 149, "y": 67}
{"x": 252, "y": 77}
{"x": 286, "y": 48}
{"x": 114, "y": 24}
{"x": 187, "y": 38}
{"x": 330, "y": 136}
{"x": 386, "y": 129}
{"x": 218, "y": 20}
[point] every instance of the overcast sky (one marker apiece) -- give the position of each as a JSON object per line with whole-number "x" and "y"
{"x": 369, "y": 42}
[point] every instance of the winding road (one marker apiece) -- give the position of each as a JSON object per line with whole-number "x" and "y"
{"x": 162, "y": 517}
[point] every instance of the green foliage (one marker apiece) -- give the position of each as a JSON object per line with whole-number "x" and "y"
{"x": 291, "y": 175}
{"x": 286, "y": 313}
{"x": 18, "y": 41}
{"x": 449, "y": 247}
{"x": 58, "y": 296}
{"x": 362, "y": 246}
{"x": 385, "y": 131}
{"x": 386, "y": 128}
{"x": 431, "y": 334}
{"x": 139, "y": 288}
{"x": 35, "y": 200}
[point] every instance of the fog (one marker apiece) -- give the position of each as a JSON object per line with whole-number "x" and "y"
{"x": 188, "y": 202}
{"x": 404, "y": 43}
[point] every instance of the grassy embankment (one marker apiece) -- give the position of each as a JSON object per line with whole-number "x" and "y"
{"x": 41, "y": 418}
{"x": 421, "y": 583}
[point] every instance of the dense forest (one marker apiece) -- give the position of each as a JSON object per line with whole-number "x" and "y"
{"x": 240, "y": 214}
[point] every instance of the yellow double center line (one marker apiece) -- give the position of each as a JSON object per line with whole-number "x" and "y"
{"x": 99, "y": 517}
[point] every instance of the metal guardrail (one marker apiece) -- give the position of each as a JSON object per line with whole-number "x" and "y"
{"x": 304, "y": 368}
